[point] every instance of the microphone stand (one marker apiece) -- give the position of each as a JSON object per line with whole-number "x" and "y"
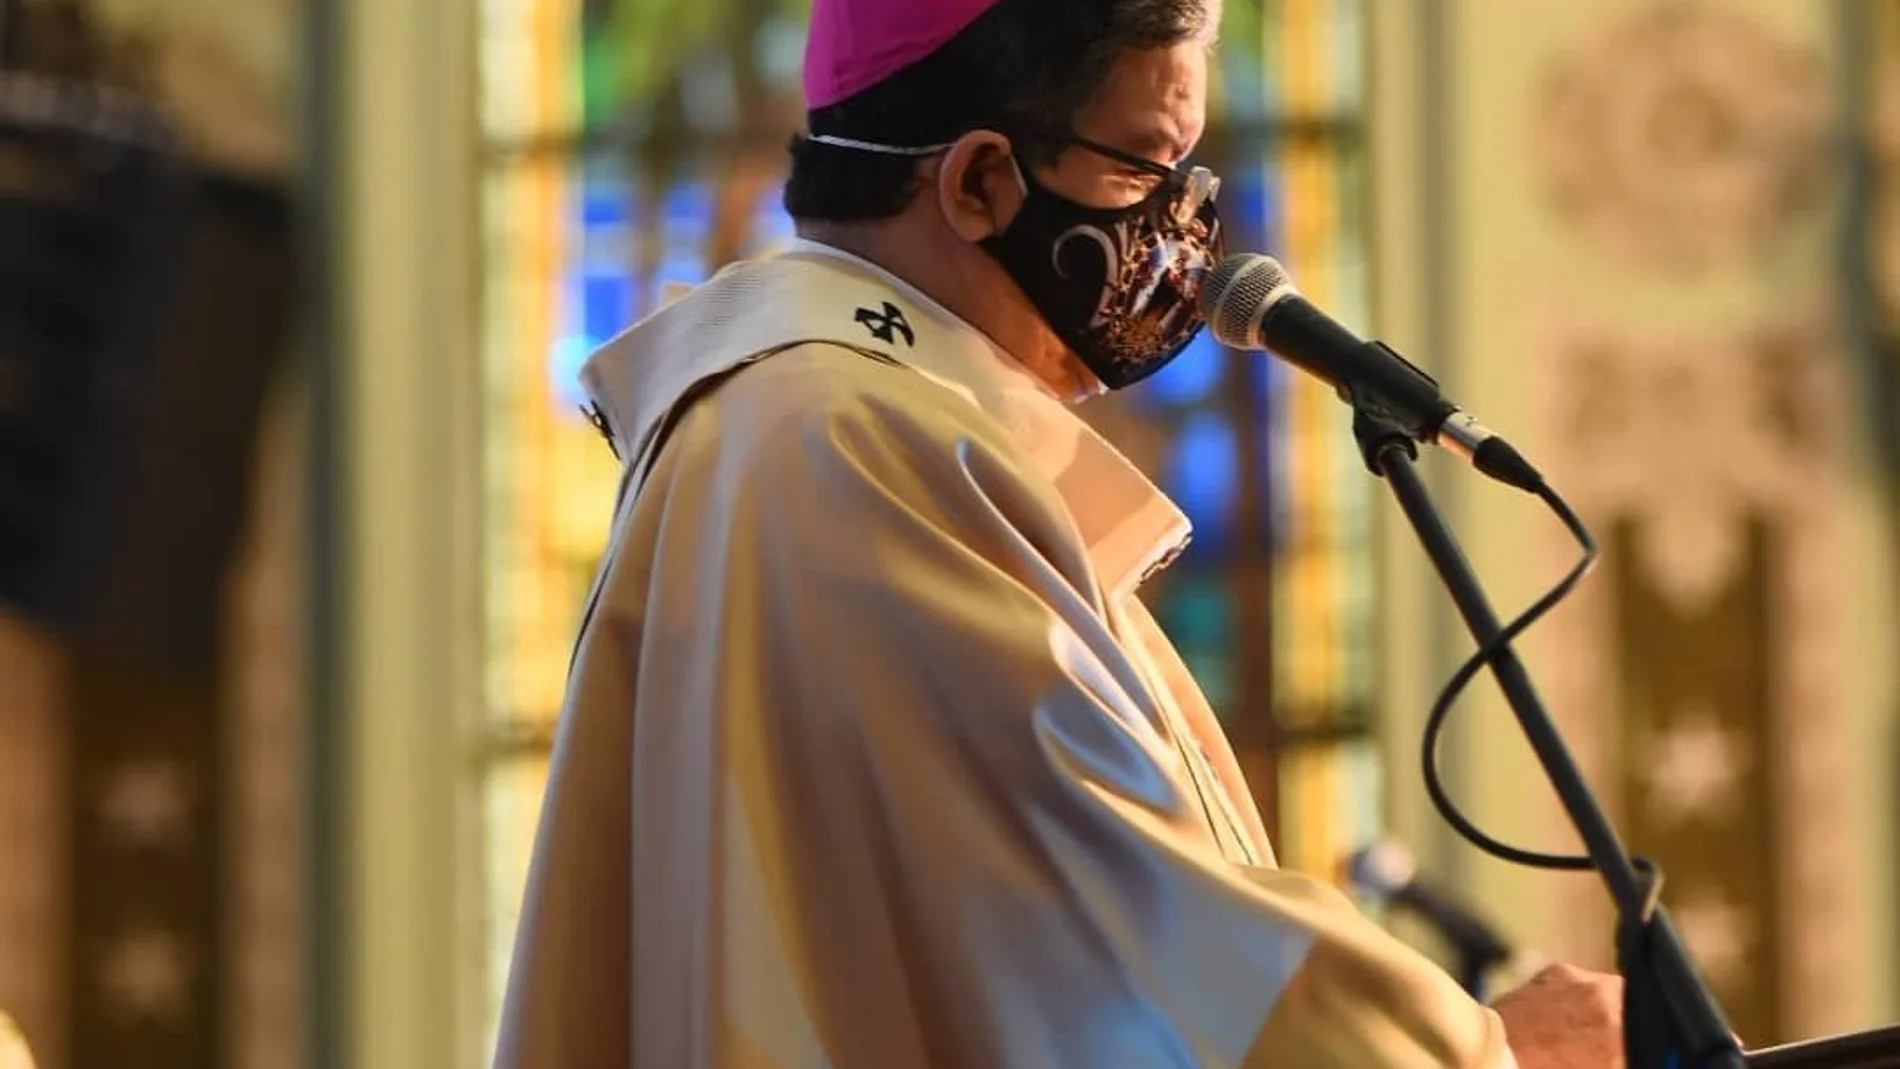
{"x": 1474, "y": 968}
{"x": 1670, "y": 1018}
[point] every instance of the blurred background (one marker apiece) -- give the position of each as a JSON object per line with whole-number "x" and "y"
{"x": 276, "y": 702}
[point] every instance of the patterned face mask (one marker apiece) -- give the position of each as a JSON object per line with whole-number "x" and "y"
{"x": 1119, "y": 286}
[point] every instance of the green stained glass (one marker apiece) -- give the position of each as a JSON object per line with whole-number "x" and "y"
{"x": 1198, "y": 613}
{"x": 1215, "y": 672}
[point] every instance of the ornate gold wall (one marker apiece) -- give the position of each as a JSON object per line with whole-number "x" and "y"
{"x": 151, "y": 799}
{"x": 1627, "y": 255}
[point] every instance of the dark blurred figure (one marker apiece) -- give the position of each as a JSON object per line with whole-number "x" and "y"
{"x": 145, "y": 305}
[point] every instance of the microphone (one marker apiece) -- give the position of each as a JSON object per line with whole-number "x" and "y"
{"x": 1250, "y": 303}
{"x": 1387, "y": 872}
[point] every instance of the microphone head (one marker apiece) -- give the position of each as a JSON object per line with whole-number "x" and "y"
{"x": 1238, "y": 292}
{"x": 1382, "y": 869}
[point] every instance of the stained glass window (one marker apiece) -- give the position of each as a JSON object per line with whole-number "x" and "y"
{"x": 618, "y": 168}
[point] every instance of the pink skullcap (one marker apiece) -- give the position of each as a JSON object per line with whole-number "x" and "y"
{"x": 855, "y": 44}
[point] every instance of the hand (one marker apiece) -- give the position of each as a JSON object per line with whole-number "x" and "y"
{"x": 1565, "y": 1018}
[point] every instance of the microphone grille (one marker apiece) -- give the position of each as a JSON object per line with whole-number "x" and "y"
{"x": 1237, "y": 292}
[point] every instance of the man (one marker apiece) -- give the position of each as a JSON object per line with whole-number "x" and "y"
{"x": 872, "y": 758}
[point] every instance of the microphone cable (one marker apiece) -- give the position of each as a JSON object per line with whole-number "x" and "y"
{"x": 1483, "y": 657}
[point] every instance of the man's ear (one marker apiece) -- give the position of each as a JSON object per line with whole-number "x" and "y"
{"x": 978, "y": 185}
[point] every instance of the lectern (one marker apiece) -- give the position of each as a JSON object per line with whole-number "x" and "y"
{"x": 1875, "y": 1049}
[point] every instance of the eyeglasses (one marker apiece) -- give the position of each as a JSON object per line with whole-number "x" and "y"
{"x": 1190, "y": 188}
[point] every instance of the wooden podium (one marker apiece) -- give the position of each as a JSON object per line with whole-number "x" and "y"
{"x": 1878, "y": 1048}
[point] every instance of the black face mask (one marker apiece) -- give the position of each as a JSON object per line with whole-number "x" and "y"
{"x": 1119, "y": 286}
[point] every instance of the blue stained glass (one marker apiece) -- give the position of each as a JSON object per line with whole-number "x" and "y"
{"x": 605, "y": 203}
{"x": 564, "y": 370}
{"x": 686, "y": 209}
{"x": 770, "y": 225}
{"x": 1243, "y": 202}
{"x": 1268, "y": 377}
{"x": 1189, "y": 377}
{"x": 1278, "y": 457}
{"x": 1269, "y": 198}
{"x": 1203, "y": 475}
{"x": 685, "y": 217}
{"x": 600, "y": 292}
{"x": 607, "y": 306}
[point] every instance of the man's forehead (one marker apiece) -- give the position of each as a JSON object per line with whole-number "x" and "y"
{"x": 1154, "y": 103}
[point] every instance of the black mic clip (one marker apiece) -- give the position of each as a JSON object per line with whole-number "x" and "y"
{"x": 1379, "y": 428}
{"x": 1414, "y": 391}
{"x": 1375, "y": 426}
{"x": 1400, "y": 393}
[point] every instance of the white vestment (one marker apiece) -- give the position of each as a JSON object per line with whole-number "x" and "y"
{"x": 871, "y": 758}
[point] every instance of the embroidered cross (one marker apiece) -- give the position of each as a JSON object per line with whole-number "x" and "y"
{"x": 886, "y": 325}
